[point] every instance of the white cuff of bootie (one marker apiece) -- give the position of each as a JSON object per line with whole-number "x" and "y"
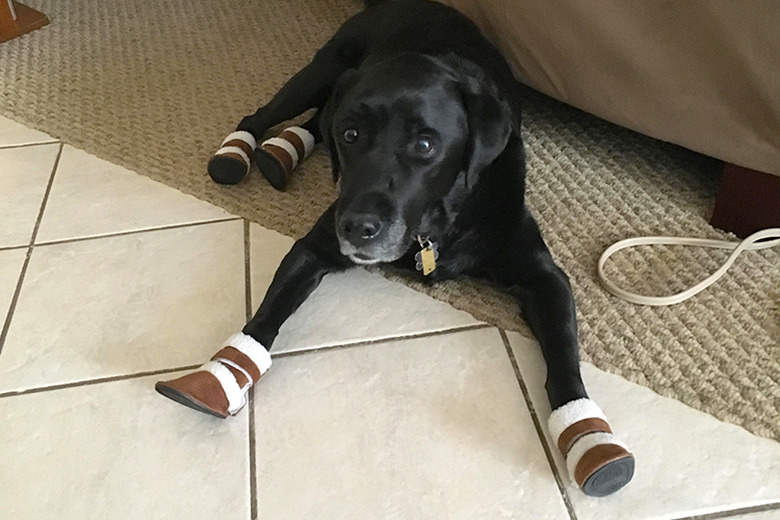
{"x": 241, "y": 135}
{"x": 570, "y": 413}
{"x": 252, "y": 348}
{"x": 306, "y": 137}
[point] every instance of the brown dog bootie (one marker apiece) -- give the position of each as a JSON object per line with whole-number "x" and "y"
{"x": 596, "y": 460}
{"x": 220, "y": 386}
{"x": 278, "y": 156}
{"x": 232, "y": 161}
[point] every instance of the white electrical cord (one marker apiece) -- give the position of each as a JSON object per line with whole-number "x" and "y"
{"x": 750, "y": 244}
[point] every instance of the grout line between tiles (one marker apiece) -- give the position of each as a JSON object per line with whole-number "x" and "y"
{"x": 136, "y": 375}
{"x": 538, "y": 426}
{"x": 252, "y": 437}
{"x": 99, "y": 381}
{"x": 247, "y": 270}
{"x": 30, "y": 247}
{"x": 252, "y": 458}
{"x": 14, "y": 300}
{"x": 136, "y": 232}
{"x": 46, "y": 196}
{"x": 735, "y": 512}
{"x": 12, "y": 248}
{"x": 363, "y": 343}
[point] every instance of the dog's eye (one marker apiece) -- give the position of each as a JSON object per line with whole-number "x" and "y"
{"x": 350, "y": 135}
{"x": 423, "y": 146}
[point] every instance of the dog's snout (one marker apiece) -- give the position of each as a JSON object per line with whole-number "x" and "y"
{"x": 359, "y": 228}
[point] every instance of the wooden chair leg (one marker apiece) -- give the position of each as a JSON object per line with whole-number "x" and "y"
{"x": 747, "y": 201}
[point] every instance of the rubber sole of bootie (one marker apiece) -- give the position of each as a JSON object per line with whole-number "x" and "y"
{"x": 186, "y": 400}
{"x": 226, "y": 170}
{"x": 271, "y": 169}
{"x": 610, "y": 477}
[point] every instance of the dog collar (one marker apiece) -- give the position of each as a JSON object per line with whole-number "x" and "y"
{"x": 426, "y": 258}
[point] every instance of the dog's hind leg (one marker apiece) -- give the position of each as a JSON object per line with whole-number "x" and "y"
{"x": 307, "y": 89}
{"x": 278, "y": 156}
{"x": 596, "y": 460}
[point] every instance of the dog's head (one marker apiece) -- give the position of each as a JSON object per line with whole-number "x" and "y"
{"x": 403, "y": 134}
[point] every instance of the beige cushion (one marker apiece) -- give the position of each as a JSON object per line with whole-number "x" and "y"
{"x": 704, "y": 74}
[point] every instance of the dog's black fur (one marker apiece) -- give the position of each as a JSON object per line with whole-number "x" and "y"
{"x": 421, "y": 115}
{"x": 422, "y": 118}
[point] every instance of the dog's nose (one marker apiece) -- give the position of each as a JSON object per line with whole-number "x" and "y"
{"x": 359, "y": 228}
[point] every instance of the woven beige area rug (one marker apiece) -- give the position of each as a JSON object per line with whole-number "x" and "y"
{"x": 155, "y": 86}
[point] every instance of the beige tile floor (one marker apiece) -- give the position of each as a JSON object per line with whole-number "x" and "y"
{"x": 395, "y": 407}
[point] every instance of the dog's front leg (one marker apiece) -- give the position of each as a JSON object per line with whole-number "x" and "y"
{"x": 598, "y": 462}
{"x": 298, "y": 275}
{"x": 220, "y": 387}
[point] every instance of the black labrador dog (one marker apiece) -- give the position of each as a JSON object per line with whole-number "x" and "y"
{"x": 421, "y": 116}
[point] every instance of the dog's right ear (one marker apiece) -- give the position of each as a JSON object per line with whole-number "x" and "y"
{"x": 345, "y": 81}
{"x": 490, "y": 125}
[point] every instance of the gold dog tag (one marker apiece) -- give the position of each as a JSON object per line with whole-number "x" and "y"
{"x": 426, "y": 259}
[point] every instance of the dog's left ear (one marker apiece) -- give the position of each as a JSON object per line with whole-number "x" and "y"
{"x": 345, "y": 81}
{"x": 490, "y": 125}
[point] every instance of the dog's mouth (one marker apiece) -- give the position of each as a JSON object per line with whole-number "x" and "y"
{"x": 362, "y": 259}
{"x": 389, "y": 248}
{"x": 373, "y": 255}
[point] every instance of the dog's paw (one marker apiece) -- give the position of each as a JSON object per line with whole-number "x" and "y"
{"x": 227, "y": 169}
{"x": 596, "y": 460}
